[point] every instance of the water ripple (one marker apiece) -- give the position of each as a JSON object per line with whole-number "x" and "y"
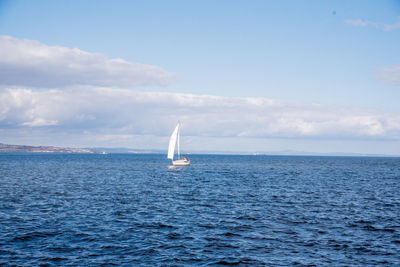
{"x": 137, "y": 210}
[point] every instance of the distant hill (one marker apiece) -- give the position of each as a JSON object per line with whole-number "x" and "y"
{"x": 124, "y": 150}
{"x": 41, "y": 149}
{"x": 104, "y": 150}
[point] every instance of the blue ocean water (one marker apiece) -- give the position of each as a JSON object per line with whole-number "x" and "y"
{"x": 124, "y": 209}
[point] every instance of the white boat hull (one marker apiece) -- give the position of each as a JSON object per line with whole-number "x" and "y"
{"x": 181, "y": 162}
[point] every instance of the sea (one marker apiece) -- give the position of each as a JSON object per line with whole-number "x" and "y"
{"x": 138, "y": 210}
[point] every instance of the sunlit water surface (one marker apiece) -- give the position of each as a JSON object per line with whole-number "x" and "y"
{"x": 122, "y": 209}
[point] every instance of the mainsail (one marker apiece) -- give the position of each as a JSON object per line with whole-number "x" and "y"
{"x": 172, "y": 142}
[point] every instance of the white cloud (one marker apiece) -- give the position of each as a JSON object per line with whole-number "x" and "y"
{"x": 365, "y": 23}
{"x": 118, "y": 112}
{"x": 389, "y": 27}
{"x": 390, "y": 75}
{"x": 40, "y": 122}
{"x": 360, "y": 22}
{"x": 33, "y": 64}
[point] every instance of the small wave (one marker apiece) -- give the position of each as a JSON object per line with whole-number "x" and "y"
{"x": 173, "y": 236}
{"x": 230, "y": 234}
{"x": 56, "y": 259}
{"x": 235, "y": 262}
{"x": 246, "y": 218}
{"x": 33, "y": 235}
{"x": 375, "y": 229}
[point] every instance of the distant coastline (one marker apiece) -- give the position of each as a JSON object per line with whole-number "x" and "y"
{"x": 41, "y": 149}
{"x": 7, "y": 148}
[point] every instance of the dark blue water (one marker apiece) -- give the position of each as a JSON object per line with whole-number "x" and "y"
{"x": 71, "y": 209}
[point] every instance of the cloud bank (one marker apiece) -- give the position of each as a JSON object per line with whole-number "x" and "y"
{"x": 33, "y": 64}
{"x": 82, "y": 101}
{"x": 114, "y": 112}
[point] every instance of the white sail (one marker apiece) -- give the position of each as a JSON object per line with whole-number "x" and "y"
{"x": 172, "y": 142}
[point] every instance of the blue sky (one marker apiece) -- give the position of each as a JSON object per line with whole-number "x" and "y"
{"x": 340, "y": 55}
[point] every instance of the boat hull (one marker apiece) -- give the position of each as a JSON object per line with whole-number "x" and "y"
{"x": 181, "y": 162}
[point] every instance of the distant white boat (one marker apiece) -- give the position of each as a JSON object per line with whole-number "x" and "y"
{"x": 174, "y": 140}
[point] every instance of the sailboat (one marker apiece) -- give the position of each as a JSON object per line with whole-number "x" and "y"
{"x": 174, "y": 140}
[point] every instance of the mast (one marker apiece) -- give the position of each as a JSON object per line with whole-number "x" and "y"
{"x": 179, "y": 141}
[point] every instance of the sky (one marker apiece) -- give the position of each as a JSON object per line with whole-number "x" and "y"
{"x": 243, "y": 76}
